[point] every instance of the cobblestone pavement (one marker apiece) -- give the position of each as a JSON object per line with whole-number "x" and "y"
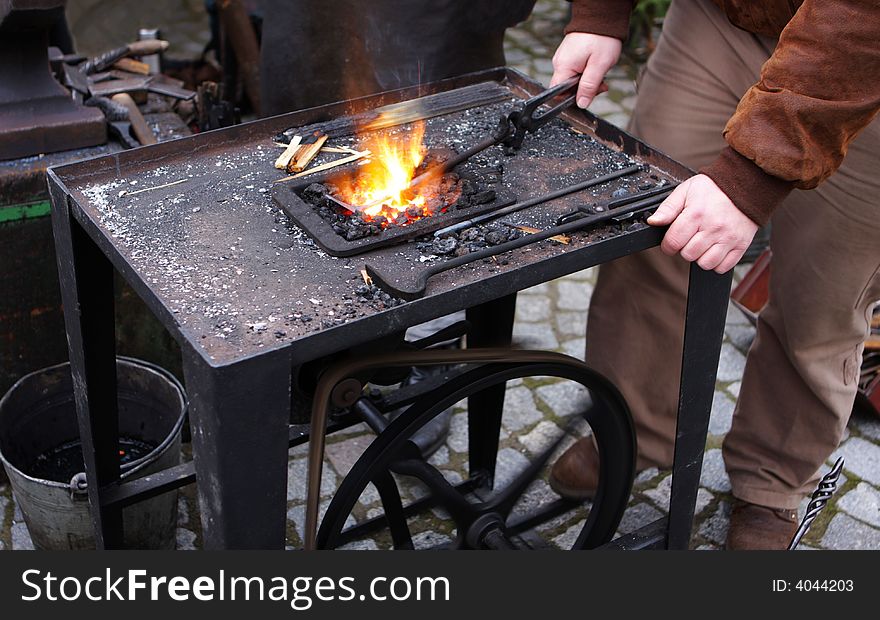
{"x": 553, "y": 316}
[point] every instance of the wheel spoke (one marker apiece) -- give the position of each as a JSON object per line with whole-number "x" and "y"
{"x": 461, "y": 510}
{"x": 394, "y": 515}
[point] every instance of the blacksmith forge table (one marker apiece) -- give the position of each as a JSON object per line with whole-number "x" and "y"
{"x": 191, "y": 227}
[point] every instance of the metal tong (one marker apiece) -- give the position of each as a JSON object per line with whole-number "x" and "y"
{"x": 512, "y": 127}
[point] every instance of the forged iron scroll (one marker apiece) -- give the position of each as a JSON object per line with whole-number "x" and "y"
{"x": 827, "y": 487}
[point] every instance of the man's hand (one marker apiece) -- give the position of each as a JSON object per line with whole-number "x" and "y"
{"x": 587, "y": 55}
{"x": 705, "y": 225}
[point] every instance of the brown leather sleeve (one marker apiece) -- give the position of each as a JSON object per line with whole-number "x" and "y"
{"x": 605, "y": 17}
{"x": 752, "y": 190}
{"x": 817, "y": 91}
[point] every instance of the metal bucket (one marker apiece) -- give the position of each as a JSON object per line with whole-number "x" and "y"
{"x": 38, "y": 415}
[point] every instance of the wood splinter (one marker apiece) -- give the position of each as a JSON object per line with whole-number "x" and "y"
{"x": 330, "y": 164}
{"x": 289, "y": 151}
{"x": 309, "y": 149}
{"x": 564, "y": 239}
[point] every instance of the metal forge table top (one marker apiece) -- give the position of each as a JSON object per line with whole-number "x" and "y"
{"x": 191, "y": 224}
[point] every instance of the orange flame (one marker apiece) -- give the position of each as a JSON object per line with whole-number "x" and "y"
{"x": 386, "y": 178}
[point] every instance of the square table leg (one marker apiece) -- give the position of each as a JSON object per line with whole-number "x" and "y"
{"x": 708, "y": 295}
{"x": 239, "y": 416}
{"x": 87, "y": 294}
{"x": 491, "y": 326}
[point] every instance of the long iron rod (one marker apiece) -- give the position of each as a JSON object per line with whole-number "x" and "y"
{"x": 576, "y": 225}
{"x": 565, "y": 191}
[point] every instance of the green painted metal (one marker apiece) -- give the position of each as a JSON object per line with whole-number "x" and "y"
{"x": 14, "y": 213}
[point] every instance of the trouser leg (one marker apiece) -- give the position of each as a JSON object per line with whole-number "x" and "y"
{"x": 802, "y": 370}
{"x": 691, "y": 86}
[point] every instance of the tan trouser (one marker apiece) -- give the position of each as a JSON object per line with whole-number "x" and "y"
{"x": 801, "y": 372}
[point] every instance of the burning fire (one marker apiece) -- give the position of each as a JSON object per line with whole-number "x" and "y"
{"x": 384, "y": 182}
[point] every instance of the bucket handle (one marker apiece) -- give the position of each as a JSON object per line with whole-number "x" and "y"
{"x": 79, "y": 487}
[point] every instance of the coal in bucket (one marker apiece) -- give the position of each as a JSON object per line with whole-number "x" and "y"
{"x": 40, "y": 450}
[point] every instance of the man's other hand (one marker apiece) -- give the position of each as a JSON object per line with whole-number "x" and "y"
{"x": 587, "y": 55}
{"x": 705, "y": 226}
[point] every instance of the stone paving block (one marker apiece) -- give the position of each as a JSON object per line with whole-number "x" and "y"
{"x": 584, "y": 275}
{"x": 410, "y": 488}
{"x": 741, "y": 336}
{"x": 21, "y": 539}
{"x": 734, "y": 388}
{"x": 573, "y": 295}
{"x": 357, "y": 429}
{"x": 714, "y": 476}
{"x": 554, "y": 527}
{"x": 565, "y": 398}
{"x": 537, "y": 494}
{"x": 646, "y": 476}
{"x": 629, "y": 102}
{"x": 296, "y": 516}
{"x": 532, "y": 308}
{"x": 862, "y": 458}
{"x": 535, "y": 336}
{"x": 458, "y": 435}
{"x": 540, "y": 437}
{"x": 360, "y": 545}
{"x": 735, "y": 316}
{"x": 704, "y": 498}
{"x": 516, "y": 57}
{"x": 571, "y": 323}
{"x": 427, "y": 540}
{"x": 661, "y": 493}
{"x": 440, "y": 458}
{"x": 186, "y": 539}
{"x": 731, "y": 364}
{"x": 2, "y": 546}
{"x": 863, "y": 503}
{"x": 343, "y": 454}
{"x": 538, "y": 289}
{"x": 297, "y": 480}
{"x": 866, "y": 425}
{"x": 182, "y": 511}
{"x": 844, "y": 532}
{"x": 566, "y": 540}
{"x": 519, "y": 409}
{"x": 638, "y": 516}
{"x": 618, "y": 119}
{"x": 722, "y": 413}
{"x": 603, "y": 104}
{"x": 510, "y": 463}
{"x": 576, "y": 347}
{"x": 453, "y": 476}
{"x": 544, "y": 67}
{"x": 715, "y": 527}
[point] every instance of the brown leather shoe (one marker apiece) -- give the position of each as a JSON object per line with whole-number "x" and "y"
{"x": 575, "y": 474}
{"x": 754, "y": 527}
